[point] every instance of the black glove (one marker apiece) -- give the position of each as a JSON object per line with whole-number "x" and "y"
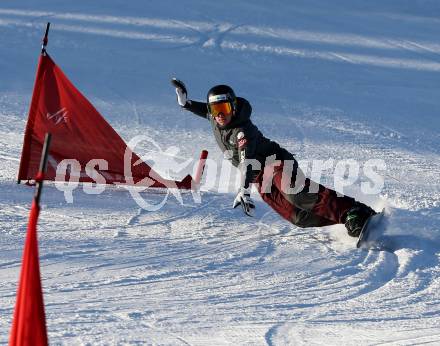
{"x": 180, "y": 91}
{"x": 244, "y": 198}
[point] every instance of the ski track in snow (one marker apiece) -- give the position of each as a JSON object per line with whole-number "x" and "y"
{"x": 203, "y": 274}
{"x": 212, "y": 35}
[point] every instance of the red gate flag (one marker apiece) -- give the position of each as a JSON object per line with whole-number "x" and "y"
{"x": 80, "y": 133}
{"x": 29, "y": 323}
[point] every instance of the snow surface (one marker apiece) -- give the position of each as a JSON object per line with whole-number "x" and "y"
{"x": 341, "y": 79}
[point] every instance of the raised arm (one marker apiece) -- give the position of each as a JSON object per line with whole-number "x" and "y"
{"x": 198, "y": 108}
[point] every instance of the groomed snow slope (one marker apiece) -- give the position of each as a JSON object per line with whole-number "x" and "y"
{"x": 328, "y": 80}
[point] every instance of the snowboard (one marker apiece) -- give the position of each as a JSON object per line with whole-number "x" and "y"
{"x": 373, "y": 223}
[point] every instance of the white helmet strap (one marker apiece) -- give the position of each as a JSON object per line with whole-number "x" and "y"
{"x": 218, "y": 98}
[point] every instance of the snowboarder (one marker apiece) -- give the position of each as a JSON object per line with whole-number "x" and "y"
{"x": 300, "y": 201}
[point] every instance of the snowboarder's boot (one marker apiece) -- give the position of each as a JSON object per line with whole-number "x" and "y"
{"x": 356, "y": 218}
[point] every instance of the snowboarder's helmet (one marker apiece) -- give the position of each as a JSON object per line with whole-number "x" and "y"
{"x": 221, "y": 99}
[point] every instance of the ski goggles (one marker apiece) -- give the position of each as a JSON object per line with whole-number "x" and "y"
{"x": 222, "y": 107}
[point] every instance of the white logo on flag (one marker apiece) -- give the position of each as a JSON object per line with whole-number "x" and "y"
{"x": 59, "y": 116}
